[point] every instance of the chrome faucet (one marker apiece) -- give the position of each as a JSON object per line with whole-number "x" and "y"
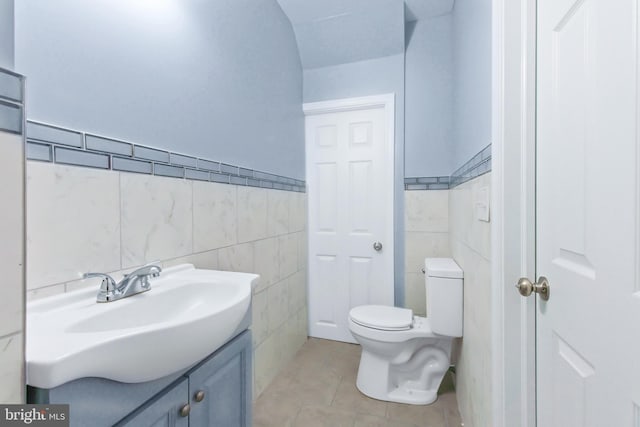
{"x": 131, "y": 284}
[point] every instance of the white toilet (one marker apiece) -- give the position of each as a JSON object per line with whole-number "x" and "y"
{"x": 404, "y": 357}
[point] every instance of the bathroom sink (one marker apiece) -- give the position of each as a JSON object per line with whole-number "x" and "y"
{"x": 187, "y": 315}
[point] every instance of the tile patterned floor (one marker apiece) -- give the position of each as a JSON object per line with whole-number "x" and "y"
{"x": 318, "y": 389}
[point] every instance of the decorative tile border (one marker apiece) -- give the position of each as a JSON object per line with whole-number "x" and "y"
{"x": 427, "y": 183}
{"x": 478, "y": 165}
{"x": 11, "y": 86}
{"x": 49, "y": 143}
{"x": 11, "y": 101}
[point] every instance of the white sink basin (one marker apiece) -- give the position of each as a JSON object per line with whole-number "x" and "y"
{"x": 187, "y": 315}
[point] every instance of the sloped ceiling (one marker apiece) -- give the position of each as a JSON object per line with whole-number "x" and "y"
{"x": 331, "y": 32}
{"x": 423, "y": 9}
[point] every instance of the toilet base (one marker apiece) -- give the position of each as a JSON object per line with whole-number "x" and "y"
{"x": 413, "y": 376}
{"x": 405, "y": 394}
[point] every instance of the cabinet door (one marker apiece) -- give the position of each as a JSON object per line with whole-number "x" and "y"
{"x": 225, "y": 380}
{"x": 163, "y": 410}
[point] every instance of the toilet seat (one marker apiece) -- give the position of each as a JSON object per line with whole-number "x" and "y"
{"x": 382, "y": 317}
{"x": 420, "y": 328}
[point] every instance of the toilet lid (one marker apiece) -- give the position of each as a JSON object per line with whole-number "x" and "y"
{"x": 382, "y": 317}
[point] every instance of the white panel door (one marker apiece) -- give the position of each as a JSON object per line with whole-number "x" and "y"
{"x": 588, "y": 332}
{"x": 350, "y": 196}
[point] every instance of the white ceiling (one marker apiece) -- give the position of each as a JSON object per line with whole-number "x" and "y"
{"x": 331, "y": 32}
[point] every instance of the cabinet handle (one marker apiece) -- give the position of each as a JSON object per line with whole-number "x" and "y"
{"x": 199, "y": 396}
{"x": 184, "y": 411}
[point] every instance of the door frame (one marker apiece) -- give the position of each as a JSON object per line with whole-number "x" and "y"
{"x": 387, "y": 102}
{"x": 513, "y": 211}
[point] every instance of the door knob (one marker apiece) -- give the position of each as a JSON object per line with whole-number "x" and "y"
{"x": 525, "y": 287}
{"x": 199, "y": 396}
{"x": 377, "y": 246}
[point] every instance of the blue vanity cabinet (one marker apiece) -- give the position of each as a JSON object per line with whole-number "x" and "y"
{"x": 217, "y": 391}
{"x": 164, "y": 411}
{"x": 220, "y": 387}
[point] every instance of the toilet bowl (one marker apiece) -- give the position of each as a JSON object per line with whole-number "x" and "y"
{"x": 404, "y": 357}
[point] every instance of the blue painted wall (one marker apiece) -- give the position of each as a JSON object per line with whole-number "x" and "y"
{"x": 361, "y": 78}
{"x": 472, "y": 78}
{"x": 6, "y": 34}
{"x": 429, "y": 97}
{"x": 218, "y": 79}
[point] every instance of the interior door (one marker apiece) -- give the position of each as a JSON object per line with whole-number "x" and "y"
{"x": 350, "y": 196}
{"x": 588, "y": 332}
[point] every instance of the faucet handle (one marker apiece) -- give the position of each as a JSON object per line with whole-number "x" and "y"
{"x": 139, "y": 278}
{"x": 152, "y": 270}
{"x": 108, "y": 285}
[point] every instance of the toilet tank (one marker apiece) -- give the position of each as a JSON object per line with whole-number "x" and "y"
{"x": 443, "y": 280}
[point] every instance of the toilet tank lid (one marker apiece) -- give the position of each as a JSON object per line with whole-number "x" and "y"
{"x": 382, "y": 317}
{"x": 442, "y": 267}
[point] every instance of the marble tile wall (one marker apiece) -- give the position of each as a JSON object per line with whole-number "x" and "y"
{"x": 471, "y": 248}
{"x": 426, "y": 235}
{"x": 12, "y": 267}
{"x": 81, "y": 219}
